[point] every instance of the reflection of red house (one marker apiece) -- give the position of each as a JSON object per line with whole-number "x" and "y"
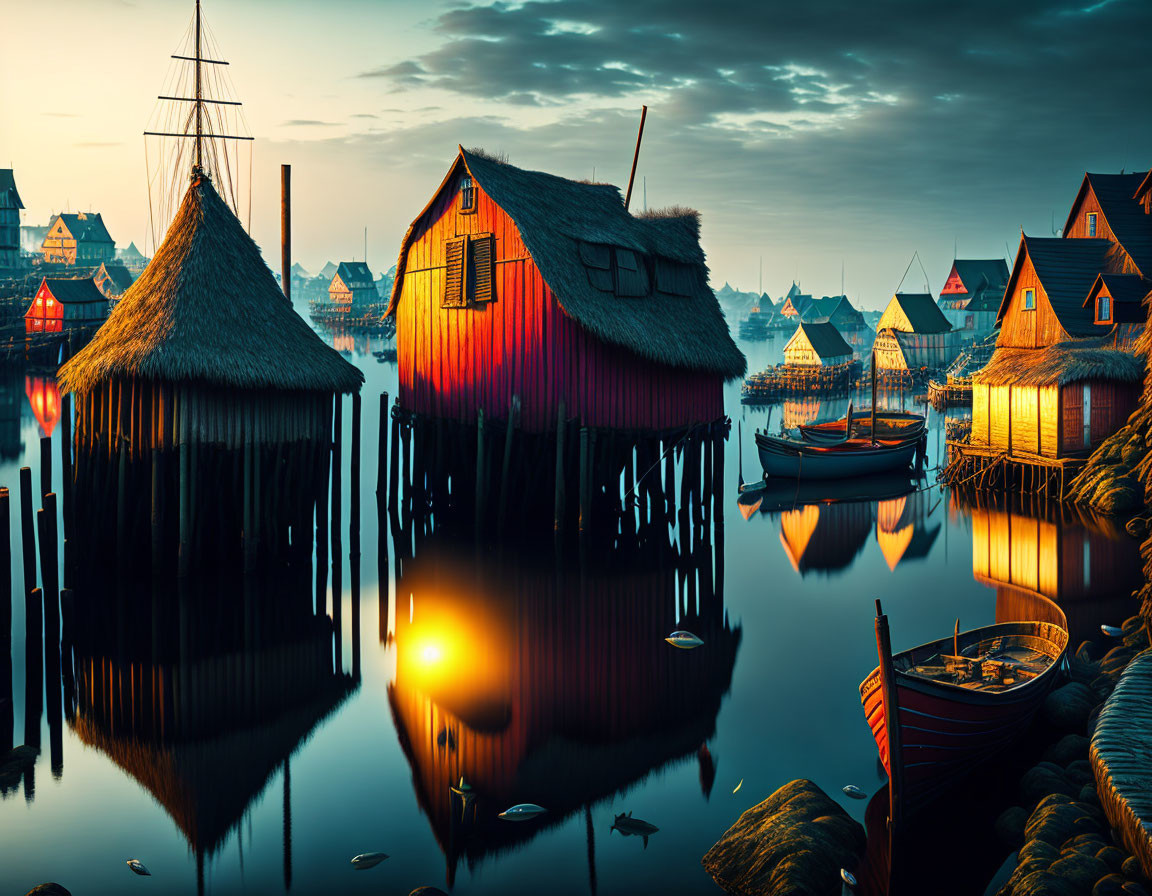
{"x": 61, "y": 303}
{"x": 44, "y": 397}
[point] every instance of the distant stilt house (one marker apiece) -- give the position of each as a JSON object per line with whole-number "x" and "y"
{"x": 353, "y": 289}
{"x": 970, "y": 298}
{"x": 10, "y": 206}
{"x": 113, "y": 280}
{"x": 64, "y": 304}
{"x": 328, "y": 271}
{"x": 79, "y": 238}
{"x": 795, "y": 303}
{"x": 839, "y": 311}
{"x": 520, "y": 283}
{"x": 913, "y": 335}
{"x": 817, "y": 344}
{"x": 132, "y": 258}
{"x": 1119, "y": 306}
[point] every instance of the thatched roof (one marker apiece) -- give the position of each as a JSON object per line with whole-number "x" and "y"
{"x": 1060, "y": 364}
{"x": 207, "y": 310}
{"x": 567, "y": 226}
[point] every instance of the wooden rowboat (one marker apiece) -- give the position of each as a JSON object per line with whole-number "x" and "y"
{"x": 939, "y": 710}
{"x": 793, "y": 459}
{"x": 889, "y": 425}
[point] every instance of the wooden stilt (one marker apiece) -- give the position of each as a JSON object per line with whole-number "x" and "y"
{"x": 558, "y": 509}
{"x": 337, "y": 460}
{"x": 506, "y": 465}
{"x": 481, "y": 483}
{"x": 45, "y": 466}
{"x": 27, "y": 530}
{"x": 354, "y": 485}
{"x": 394, "y": 465}
{"x": 585, "y": 486}
{"x": 382, "y": 451}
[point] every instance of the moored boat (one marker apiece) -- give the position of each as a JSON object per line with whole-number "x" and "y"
{"x": 939, "y": 710}
{"x": 794, "y": 459}
{"x": 889, "y": 425}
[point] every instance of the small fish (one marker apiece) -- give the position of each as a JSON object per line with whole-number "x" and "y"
{"x": 848, "y": 877}
{"x": 633, "y": 827}
{"x": 683, "y": 640}
{"x": 522, "y": 812}
{"x": 738, "y": 786}
{"x": 1112, "y": 631}
{"x": 855, "y": 792}
{"x": 138, "y": 866}
{"x": 367, "y": 860}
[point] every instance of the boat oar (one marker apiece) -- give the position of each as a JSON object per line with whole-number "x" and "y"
{"x": 956, "y": 639}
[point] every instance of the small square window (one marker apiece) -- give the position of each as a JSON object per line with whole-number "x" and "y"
{"x": 1029, "y": 300}
{"x": 1092, "y": 224}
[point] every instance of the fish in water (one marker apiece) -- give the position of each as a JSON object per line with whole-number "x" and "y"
{"x": 138, "y": 866}
{"x": 848, "y": 877}
{"x": 367, "y": 860}
{"x": 522, "y": 812}
{"x": 855, "y": 792}
{"x": 633, "y": 827}
{"x": 738, "y": 786}
{"x": 683, "y": 640}
{"x": 1112, "y": 631}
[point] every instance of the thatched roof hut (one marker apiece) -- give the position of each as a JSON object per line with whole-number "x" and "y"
{"x": 207, "y": 317}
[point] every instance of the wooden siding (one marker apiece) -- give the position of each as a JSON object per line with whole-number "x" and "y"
{"x": 1029, "y": 329}
{"x": 1000, "y": 417}
{"x": 1079, "y": 230}
{"x": 454, "y": 361}
{"x": 980, "y": 393}
{"x": 1025, "y": 419}
{"x": 1049, "y": 420}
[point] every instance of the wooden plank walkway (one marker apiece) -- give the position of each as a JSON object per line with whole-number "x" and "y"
{"x": 1122, "y": 758}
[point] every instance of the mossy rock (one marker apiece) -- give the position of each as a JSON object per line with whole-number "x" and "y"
{"x": 795, "y": 842}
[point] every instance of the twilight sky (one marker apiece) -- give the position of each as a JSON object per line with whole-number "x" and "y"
{"x": 812, "y": 133}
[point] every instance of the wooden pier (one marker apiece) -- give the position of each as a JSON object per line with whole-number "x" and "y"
{"x": 787, "y": 380}
{"x": 1121, "y": 756}
{"x": 980, "y": 467}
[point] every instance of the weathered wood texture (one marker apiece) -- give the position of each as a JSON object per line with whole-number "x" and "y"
{"x": 1033, "y": 328}
{"x": 454, "y": 361}
{"x": 1121, "y": 755}
{"x": 1078, "y": 229}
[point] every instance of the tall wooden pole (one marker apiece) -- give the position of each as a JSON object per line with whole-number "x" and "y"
{"x": 286, "y": 230}
{"x": 635, "y": 157}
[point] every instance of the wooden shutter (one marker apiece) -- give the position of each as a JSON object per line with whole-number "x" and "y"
{"x": 482, "y": 252}
{"x": 454, "y": 273}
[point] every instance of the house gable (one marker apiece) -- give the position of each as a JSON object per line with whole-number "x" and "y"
{"x": 1021, "y": 328}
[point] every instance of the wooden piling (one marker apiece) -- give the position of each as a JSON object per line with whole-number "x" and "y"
{"x": 286, "y": 230}
{"x": 27, "y": 530}
{"x": 585, "y": 485}
{"x": 506, "y": 465}
{"x": 354, "y": 485}
{"x": 558, "y": 511}
{"x": 481, "y": 483}
{"x": 394, "y": 465}
{"x": 337, "y": 453}
{"x": 45, "y": 466}
{"x": 184, "y": 559}
{"x": 718, "y": 486}
{"x": 382, "y": 451}
{"x": 7, "y": 708}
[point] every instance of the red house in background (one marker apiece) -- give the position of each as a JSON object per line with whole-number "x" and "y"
{"x": 60, "y": 304}
{"x": 514, "y": 282}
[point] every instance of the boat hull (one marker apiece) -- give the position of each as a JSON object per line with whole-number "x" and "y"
{"x": 889, "y": 425}
{"x": 946, "y": 730}
{"x": 780, "y": 459}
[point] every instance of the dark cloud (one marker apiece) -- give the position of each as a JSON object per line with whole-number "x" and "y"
{"x": 829, "y": 127}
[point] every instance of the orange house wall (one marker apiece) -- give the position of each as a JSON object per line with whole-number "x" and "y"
{"x": 1029, "y": 329}
{"x": 454, "y": 361}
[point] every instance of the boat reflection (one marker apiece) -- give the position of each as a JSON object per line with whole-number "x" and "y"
{"x": 203, "y": 695}
{"x": 1088, "y": 566}
{"x": 825, "y": 525}
{"x": 540, "y": 682}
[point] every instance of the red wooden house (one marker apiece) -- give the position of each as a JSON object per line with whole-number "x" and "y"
{"x": 61, "y": 304}
{"x": 520, "y": 283}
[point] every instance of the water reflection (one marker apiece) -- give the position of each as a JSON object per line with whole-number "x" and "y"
{"x": 44, "y": 399}
{"x": 1088, "y": 566}
{"x": 550, "y": 682}
{"x": 202, "y": 692}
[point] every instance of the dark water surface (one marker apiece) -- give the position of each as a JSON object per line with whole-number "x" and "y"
{"x": 539, "y": 681}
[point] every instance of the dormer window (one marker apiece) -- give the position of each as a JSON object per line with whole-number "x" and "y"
{"x": 1092, "y": 224}
{"x": 1029, "y": 299}
{"x": 1104, "y": 309}
{"x": 467, "y": 194}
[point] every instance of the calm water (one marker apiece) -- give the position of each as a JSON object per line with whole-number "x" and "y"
{"x": 537, "y": 682}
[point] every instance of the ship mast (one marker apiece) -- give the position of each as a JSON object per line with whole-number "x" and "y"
{"x": 197, "y": 167}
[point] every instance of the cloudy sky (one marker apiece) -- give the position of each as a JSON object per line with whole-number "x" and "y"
{"x": 815, "y": 134}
